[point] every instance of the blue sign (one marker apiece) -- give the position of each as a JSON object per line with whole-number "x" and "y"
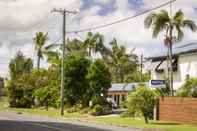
{"x": 157, "y": 82}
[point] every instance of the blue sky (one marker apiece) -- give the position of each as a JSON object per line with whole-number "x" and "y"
{"x": 23, "y": 18}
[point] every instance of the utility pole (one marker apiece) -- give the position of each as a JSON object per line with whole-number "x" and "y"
{"x": 141, "y": 67}
{"x": 64, "y": 12}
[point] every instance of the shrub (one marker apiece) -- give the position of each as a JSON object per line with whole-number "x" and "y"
{"x": 142, "y": 101}
{"x": 97, "y": 110}
{"x": 101, "y": 110}
{"x": 189, "y": 88}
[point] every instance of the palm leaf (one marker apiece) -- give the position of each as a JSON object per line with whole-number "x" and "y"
{"x": 190, "y": 24}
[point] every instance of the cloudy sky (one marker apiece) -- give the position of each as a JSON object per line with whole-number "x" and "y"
{"x": 21, "y": 19}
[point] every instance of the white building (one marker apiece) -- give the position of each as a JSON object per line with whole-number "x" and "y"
{"x": 184, "y": 64}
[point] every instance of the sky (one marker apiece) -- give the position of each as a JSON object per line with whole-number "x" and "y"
{"x": 21, "y": 19}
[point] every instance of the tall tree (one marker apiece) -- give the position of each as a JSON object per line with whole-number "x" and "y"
{"x": 20, "y": 65}
{"x": 19, "y": 91}
{"x": 122, "y": 64}
{"x": 40, "y": 41}
{"x": 162, "y": 22}
{"x": 94, "y": 43}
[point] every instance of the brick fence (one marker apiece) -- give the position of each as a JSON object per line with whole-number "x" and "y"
{"x": 178, "y": 109}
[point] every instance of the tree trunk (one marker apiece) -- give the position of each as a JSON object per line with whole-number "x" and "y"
{"x": 171, "y": 64}
{"x": 38, "y": 61}
{"x": 146, "y": 119}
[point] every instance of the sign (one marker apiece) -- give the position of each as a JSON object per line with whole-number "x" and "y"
{"x": 157, "y": 83}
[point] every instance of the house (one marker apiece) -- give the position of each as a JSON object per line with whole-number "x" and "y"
{"x": 184, "y": 64}
{"x": 119, "y": 92}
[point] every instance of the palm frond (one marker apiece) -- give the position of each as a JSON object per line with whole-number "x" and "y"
{"x": 190, "y": 24}
{"x": 149, "y": 20}
{"x": 179, "y": 16}
{"x": 180, "y": 33}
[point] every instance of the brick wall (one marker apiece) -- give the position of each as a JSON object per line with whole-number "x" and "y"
{"x": 178, "y": 109}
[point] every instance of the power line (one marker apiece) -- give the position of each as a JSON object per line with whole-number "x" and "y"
{"x": 122, "y": 20}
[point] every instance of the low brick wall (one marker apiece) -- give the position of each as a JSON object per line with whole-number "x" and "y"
{"x": 178, "y": 109}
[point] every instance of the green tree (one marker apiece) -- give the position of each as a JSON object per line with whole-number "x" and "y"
{"x": 99, "y": 78}
{"x": 76, "y": 84}
{"x": 19, "y": 91}
{"x": 162, "y": 22}
{"x": 123, "y": 65}
{"x": 189, "y": 88}
{"x": 142, "y": 100}
{"x": 75, "y": 46}
{"x": 94, "y": 43}
{"x": 40, "y": 41}
{"x": 20, "y": 65}
{"x": 47, "y": 87}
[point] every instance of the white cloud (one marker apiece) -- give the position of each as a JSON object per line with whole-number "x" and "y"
{"x": 24, "y": 17}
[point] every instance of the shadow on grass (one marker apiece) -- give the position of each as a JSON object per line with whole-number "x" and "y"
{"x": 165, "y": 123}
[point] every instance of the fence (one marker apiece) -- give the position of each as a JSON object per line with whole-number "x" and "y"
{"x": 178, "y": 109}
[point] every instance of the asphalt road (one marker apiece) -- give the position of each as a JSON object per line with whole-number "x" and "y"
{"x": 23, "y": 122}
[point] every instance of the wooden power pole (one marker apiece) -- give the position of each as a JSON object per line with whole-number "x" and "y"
{"x": 64, "y": 12}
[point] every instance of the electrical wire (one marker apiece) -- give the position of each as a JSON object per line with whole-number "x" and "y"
{"x": 122, "y": 20}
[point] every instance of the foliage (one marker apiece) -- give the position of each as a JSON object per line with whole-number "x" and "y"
{"x": 26, "y": 84}
{"x": 94, "y": 43}
{"x": 189, "y": 88}
{"x": 47, "y": 91}
{"x": 76, "y": 83}
{"x": 20, "y": 65}
{"x": 123, "y": 66}
{"x": 99, "y": 78}
{"x": 142, "y": 100}
{"x": 19, "y": 91}
{"x": 43, "y": 49}
{"x": 162, "y": 22}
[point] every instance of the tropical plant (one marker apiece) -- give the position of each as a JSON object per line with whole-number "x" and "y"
{"x": 20, "y": 65}
{"x": 99, "y": 77}
{"x": 142, "y": 100}
{"x": 189, "y": 88}
{"x": 43, "y": 49}
{"x": 19, "y": 91}
{"x": 94, "y": 43}
{"x": 162, "y": 22}
{"x": 123, "y": 66}
{"x": 76, "y": 83}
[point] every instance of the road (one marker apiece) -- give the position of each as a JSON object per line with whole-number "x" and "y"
{"x": 10, "y": 121}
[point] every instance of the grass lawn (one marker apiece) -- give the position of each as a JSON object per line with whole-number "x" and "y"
{"x": 112, "y": 120}
{"x": 130, "y": 122}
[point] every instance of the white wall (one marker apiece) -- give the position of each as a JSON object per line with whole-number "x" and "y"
{"x": 187, "y": 64}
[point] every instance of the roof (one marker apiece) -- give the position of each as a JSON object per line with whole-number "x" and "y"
{"x": 122, "y": 86}
{"x": 177, "y": 49}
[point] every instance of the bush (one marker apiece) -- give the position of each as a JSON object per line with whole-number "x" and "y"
{"x": 142, "y": 101}
{"x": 189, "y": 88}
{"x": 75, "y": 108}
{"x": 101, "y": 110}
{"x": 97, "y": 110}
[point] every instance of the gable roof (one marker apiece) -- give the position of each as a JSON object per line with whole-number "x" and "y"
{"x": 177, "y": 49}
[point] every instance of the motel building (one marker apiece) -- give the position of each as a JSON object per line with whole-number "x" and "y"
{"x": 184, "y": 64}
{"x": 119, "y": 92}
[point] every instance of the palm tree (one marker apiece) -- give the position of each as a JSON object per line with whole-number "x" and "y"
{"x": 43, "y": 49}
{"x": 162, "y": 22}
{"x": 40, "y": 41}
{"x": 122, "y": 64}
{"x": 94, "y": 43}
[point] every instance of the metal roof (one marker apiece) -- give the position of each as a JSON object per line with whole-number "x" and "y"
{"x": 178, "y": 49}
{"x": 122, "y": 86}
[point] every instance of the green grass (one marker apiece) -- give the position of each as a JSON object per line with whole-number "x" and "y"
{"x": 112, "y": 120}
{"x": 130, "y": 122}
